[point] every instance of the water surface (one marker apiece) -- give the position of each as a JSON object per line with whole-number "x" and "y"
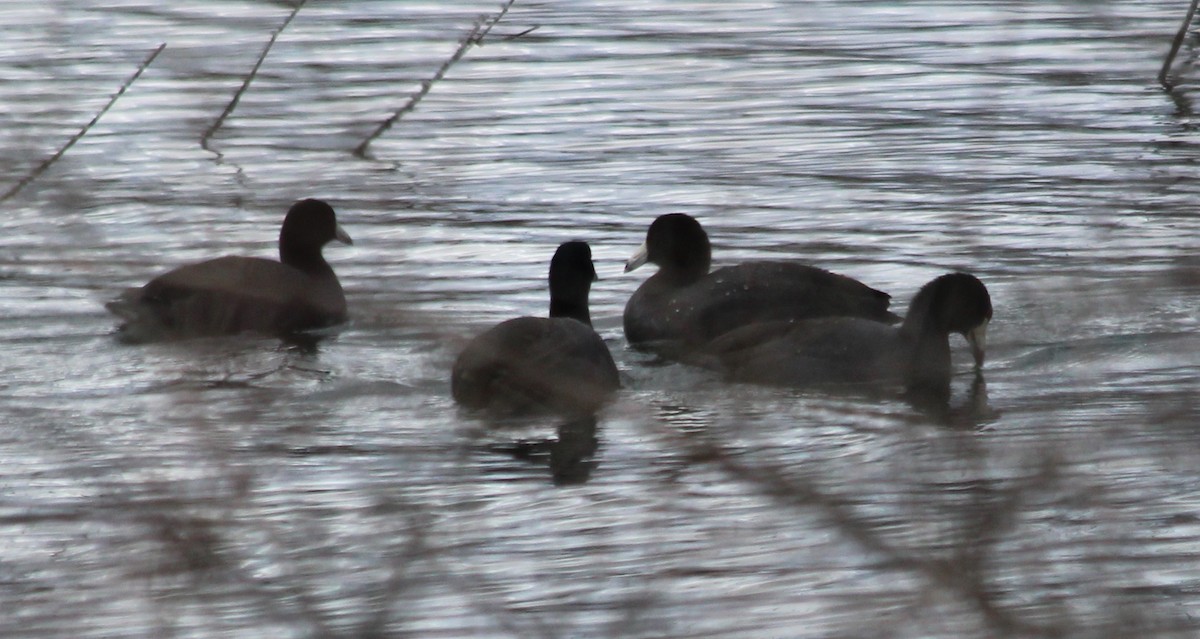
{"x": 244, "y": 487}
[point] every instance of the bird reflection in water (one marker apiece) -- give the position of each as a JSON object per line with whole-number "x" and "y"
{"x": 972, "y": 412}
{"x": 571, "y": 456}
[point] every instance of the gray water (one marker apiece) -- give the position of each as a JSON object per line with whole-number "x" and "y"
{"x": 248, "y": 488}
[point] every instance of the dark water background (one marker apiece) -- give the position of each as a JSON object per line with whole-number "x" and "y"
{"x": 245, "y": 488}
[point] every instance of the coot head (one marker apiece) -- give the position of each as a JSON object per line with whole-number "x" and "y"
{"x": 678, "y": 245}
{"x": 309, "y": 225}
{"x": 571, "y": 275}
{"x": 954, "y": 303}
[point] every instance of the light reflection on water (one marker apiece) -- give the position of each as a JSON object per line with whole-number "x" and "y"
{"x": 245, "y": 487}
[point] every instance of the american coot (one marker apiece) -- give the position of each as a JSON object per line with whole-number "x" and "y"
{"x": 557, "y": 364}
{"x": 683, "y": 306}
{"x": 229, "y": 295}
{"x": 845, "y": 350}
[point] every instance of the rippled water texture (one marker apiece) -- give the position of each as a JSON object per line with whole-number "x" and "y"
{"x": 243, "y": 487}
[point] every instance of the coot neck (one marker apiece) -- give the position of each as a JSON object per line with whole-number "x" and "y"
{"x": 575, "y": 309}
{"x": 685, "y": 269}
{"x": 929, "y": 361}
{"x": 929, "y": 341}
{"x": 304, "y": 257}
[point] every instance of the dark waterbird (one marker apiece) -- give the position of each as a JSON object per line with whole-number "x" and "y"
{"x": 532, "y": 364}
{"x": 231, "y": 294}
{"x": 683, "y": 306}
{"x": 847, "y": 350}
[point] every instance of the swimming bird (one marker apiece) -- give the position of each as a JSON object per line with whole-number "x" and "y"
{"x": 535, "y": 364}
{"x": 683, "y": 306}
{"x": 235, "y": 294}
{"x": 848, "y": 350}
